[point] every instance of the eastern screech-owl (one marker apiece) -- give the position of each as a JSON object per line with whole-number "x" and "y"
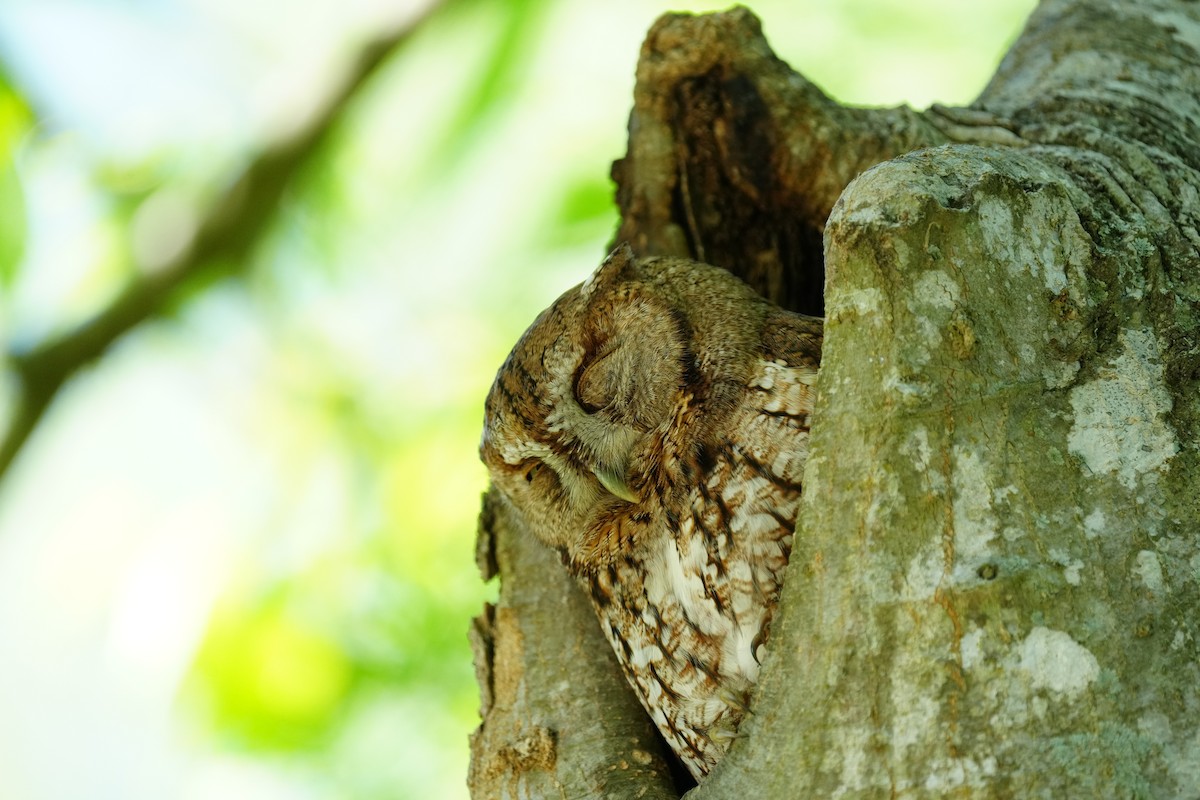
{"x": 652, "y": 426}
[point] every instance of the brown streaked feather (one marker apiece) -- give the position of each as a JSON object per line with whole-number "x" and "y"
{"x": 675, "y": 386}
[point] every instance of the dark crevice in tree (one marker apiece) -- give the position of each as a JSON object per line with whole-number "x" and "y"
{"x": 728, "y": 199}
{"x": 736, "y": 160}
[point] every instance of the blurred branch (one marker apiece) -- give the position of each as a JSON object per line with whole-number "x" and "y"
{"x": 224, "y": 240}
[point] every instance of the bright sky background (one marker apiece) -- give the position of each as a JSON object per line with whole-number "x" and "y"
{"x": 286, "y": 469}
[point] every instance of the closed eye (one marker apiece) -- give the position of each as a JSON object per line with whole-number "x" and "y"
{"x": 593, "y": 384}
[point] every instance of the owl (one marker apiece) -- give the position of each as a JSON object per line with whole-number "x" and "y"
{"x": 652, "y": 426}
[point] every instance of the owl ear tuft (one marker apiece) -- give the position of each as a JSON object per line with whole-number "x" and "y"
{"x": 608, "y": 272}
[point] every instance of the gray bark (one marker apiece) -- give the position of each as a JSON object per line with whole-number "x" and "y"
{"x": 559, "y": 719}
{"x": 995, "y": 585}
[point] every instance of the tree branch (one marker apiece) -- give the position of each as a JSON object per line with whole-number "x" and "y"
{"x": 224, "y": 239}
{"x": 558, "y": 718}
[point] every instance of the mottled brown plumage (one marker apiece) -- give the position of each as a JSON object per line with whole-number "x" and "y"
{"x": 652, "y": 426}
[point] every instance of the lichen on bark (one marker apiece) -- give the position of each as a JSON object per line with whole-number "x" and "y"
{"x": 995, "y": 585}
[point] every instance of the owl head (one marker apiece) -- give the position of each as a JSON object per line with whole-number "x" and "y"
{"x": 608, "y": 407}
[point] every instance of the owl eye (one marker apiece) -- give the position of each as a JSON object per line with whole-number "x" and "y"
{"x": 593, "y": 388}
{"x": 532, "y": 470}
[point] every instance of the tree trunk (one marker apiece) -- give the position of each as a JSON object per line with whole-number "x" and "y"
{"x": 995, "y": 584}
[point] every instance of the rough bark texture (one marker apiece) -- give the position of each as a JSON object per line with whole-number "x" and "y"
{"x": 559, "y": 719}
{"x": 736, "y": 160}
{"x": 995, "y": 587}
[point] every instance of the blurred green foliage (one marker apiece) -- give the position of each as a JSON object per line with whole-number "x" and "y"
{"x": 15, "y": 121}
{"x": 276, "y": 680}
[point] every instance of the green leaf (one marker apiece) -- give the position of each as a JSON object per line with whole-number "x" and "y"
{"x": 15, "y": 121}
{"x": 586, "y": 212}
{"x": 272, "y": 679}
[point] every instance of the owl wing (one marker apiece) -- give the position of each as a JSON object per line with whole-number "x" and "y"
{"x": 689, "y": 614}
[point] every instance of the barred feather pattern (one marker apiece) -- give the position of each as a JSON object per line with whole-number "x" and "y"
{"x": 652, "y": 427}
{"x": 689, "y": 617}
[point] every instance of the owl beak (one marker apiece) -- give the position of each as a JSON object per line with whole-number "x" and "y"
{"x": 615, "y": 483}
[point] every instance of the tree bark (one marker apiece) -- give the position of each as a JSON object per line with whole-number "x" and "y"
{"x": 559, "y": 719}
{"x": 995, "y": 584}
